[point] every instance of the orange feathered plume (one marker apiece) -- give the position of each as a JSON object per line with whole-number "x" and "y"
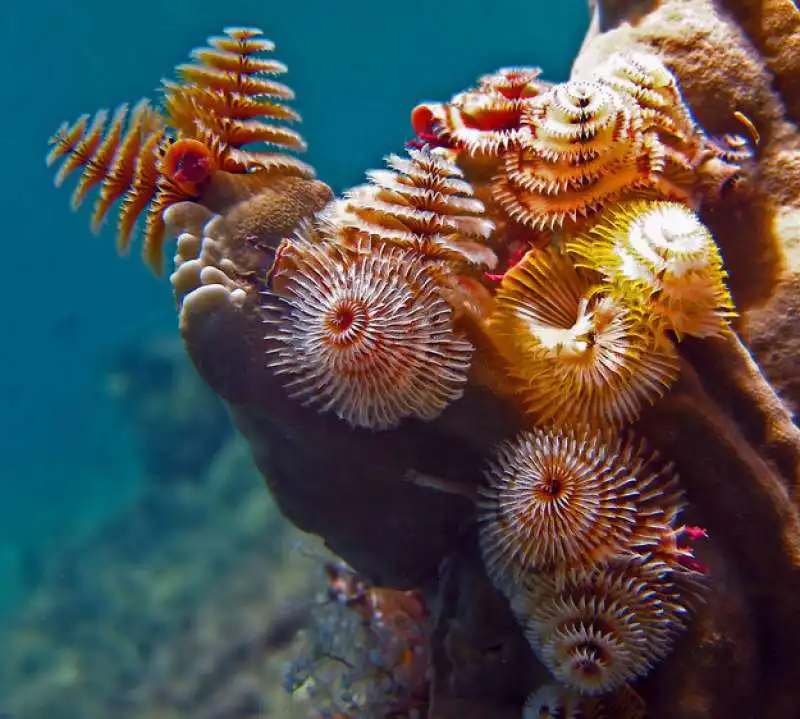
{"x": 153, "y": 158}
{"x": 485, "y": 120}
{"x": 227, "y": 99}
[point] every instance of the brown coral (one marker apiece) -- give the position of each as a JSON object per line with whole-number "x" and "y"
{"x": 367, "y": 334}
{"x": 734, "y": 443}
{"x": 579, "y": 358}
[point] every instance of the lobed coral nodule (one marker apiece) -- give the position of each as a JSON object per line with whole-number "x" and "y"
{"x": 487, "y": 350}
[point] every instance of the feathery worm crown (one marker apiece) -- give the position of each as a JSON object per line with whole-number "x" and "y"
{"x": 228, "y": 99}
{"x": 554, "y": 155}
{"x": 366, "y": 334}
{"x": 660, "y": 255}
{"x": 579, "y": 358}
{"x": 556, "y": 501}
{"x": 649, "y": 83}
{"x": 484, "y": 121}
{"x": 585, "y": 145}
{"x": 606, "y": 627}
{"x": 122, "y": 157}
{"x": 421, "y": 203}
{"x": 555, "y": 701}
{"x": 365, "y": 326}
{"x": 151, "y": 159}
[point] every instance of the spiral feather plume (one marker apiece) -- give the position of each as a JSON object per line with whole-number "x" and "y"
{"x": 553, "y": 701}
{"x": 484, "y": 121}
{"x": 367, "y": 334}
{"x": 651, "y": 85}
{"x": 603, "y": 628}
{"x": 223, "y": 102}
{"x": 659, "y": 255}
{"x": 691, "y": 158}
{"x": 578, "y": 357}
{"x": 122, "y": 155}
{"x": 556, "y": 501}
{"x": 421, "y": 203}
{"x": 585, "y": 146}
{"x": 227, "y": 99}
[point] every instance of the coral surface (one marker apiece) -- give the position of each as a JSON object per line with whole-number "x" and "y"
{"x": 513, "y": 371}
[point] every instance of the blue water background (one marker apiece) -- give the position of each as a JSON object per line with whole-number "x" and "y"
{"x": 67, "y": 461}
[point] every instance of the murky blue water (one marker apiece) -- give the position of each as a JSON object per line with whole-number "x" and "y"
{"x": 68, "y": 459}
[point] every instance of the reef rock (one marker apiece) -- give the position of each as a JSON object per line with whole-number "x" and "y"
{"x": 391, "y": 502}
{"x": 703, "y": 120}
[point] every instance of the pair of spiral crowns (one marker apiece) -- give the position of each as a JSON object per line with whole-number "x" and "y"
{"x": 539, "y": 239}
{"x": 214, "y": 119}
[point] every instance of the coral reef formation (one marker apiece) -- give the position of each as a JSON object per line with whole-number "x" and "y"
{"x": 366, "y": 652}
{"x": 554, "y": 287}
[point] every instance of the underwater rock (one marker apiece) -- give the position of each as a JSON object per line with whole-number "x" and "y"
{"x": 695, "y": 681}
{"x": 347, "y": 485}
{"x": 745, "y": 218}
{"x": 731, "y": 440}
{"x": 583, "y": 297}
{"x": 774, "y": 336}
{"x": 481, "y": 663}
